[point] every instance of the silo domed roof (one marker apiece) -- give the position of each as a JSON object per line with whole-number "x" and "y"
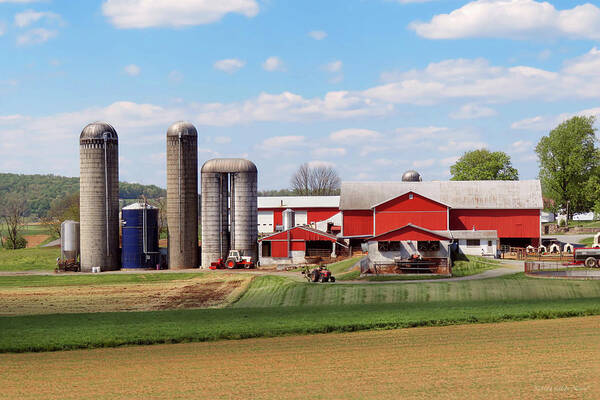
{"x": 96, "y": 130}
{"x": 229, "y": 165}
{"x": 186, "y": 129}
{"x": 411, "y": 176}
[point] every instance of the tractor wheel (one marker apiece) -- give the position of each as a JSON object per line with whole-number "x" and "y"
{"x": 332, "y": 279}
{"x": 315, "y": 276}
{"x": 247, "y": 265}
{"x": 230, "y": 264}
{"x": 324, "y": 279}
{"x": 591, "y": 262}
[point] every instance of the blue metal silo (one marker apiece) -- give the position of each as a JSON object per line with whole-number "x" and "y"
{"x": 140, "y": 236}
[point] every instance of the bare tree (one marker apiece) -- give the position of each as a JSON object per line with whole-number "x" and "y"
{"x": 12, "y": 212}
{"x": 161, "y": 204}
{"x": 61, "y": 210}
{"x": 301, "y": 180}
{"x": 315, "y": 181}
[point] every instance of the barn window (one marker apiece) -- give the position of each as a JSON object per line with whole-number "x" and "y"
{"x": 266, "y": 249}
{"x": 410, "y": 196}
{"x": 428, "y": 245}
{"x": 472, "y": 242}
{"x": 383, "y": 246}
{"x": 489, "y": 243}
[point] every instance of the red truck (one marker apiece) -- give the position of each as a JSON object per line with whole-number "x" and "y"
{"x": 587, "y": 256}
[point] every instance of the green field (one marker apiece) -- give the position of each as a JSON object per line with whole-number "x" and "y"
{"x": 42, "y": 258}
{"x": 274, "y": 306}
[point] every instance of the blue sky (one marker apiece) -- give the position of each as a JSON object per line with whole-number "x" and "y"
{"x": 371, "y": 87}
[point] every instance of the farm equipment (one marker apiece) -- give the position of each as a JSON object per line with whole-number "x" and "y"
{"x": 234, "y": 259}
{"x": 68, "y": 265}
{"x": 590, "y": 257}
{"x": 318, "y": 274}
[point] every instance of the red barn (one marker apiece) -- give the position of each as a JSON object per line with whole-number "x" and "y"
{"x": 511, "y": 208}
{"x": 308, "y": 210}
{"x": 293, "y": 245}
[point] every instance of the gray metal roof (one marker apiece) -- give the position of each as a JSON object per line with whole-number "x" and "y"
{"x": 186, "y": 129}
{"x": 229, "y": 165}
{"x": 96, "y": 130}
{"x": 299, "y": 201}
{"x": 455, "y": 194}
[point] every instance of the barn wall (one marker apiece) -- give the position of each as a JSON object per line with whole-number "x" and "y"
{"x": 357, "y": 222}
{"x": 409, "y": 234}
{"x": 405, "y": 203}
{"x": 313, "y": 214}
{"x": 508, "y": 223}
{"x": 385, "y": 222}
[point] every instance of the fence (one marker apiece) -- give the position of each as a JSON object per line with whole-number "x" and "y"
{"x": 559, "y": 270}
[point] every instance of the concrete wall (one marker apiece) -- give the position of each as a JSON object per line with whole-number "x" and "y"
{"x": 297, "y": 258}
{"x": 480, "y": 250}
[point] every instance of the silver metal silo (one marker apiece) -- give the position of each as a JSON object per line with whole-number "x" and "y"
{"x": 182, "y": 195}
{"x": 289, "y": 219}
{"x": 69, "y": 240}
{"x": 222, "y": 178}
{"x": 99, "y": 197}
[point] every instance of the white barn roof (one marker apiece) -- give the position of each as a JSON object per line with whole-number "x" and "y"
{"x": 299, "y": 201}
{"x": 455, "y": 194}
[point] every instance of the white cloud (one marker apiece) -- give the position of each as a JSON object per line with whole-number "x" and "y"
{"x": 454, "y": 145}
{"x": 222, "y": 140}
{"x": 420, "y": 133}
{"x": 478, "y": 80}
{"x": 288, "y": 106}
{"x": 317, "y": 35}
{"x": 587, "y": 64}
{"x": 281, "y": 142}
{"x": 175, "y": 76}
{"x": 132, "y": 70}
{"x": 548, "y": 122}
{"x": 36, "y": 36}
{"x": 423, "y": 163}
{"x": 473, "y": 111}
{"x": 329, "y": 152}
{"x": 273, "y": 64}
{"x": 229, "y": 65}
{"x": 334, "y": 66}
{"x": 28, "y": 17}
{"x": 521, "y": 146}
{"x": 354, "y": 135}
{"x": 448, "y": 161}
{"x": 160, "y": 13}
{"x": 516, "y": 19}
{"x": 319, "y": 163}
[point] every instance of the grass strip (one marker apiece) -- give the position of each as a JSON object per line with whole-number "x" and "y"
{"x": 95, "y": 279}
{"x": 29, "y": 259}
{"x": 78, "y": 331}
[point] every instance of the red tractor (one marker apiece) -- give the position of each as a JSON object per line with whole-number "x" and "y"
{"x": 234, "y": 260}
{"x": 319, "y": 274}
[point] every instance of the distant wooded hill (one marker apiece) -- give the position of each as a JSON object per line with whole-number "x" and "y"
{"x": 41, "y": 190}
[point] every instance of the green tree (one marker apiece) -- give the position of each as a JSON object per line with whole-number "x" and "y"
{"x": 484, "y": 165}
{"x": 569, "y": 160}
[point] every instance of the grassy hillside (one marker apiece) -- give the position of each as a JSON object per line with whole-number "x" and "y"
{"x": 41, "y": 190}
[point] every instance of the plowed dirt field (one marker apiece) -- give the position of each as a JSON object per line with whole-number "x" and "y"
{"x": 212, "y": 291}
{"x": 515, "y": 360}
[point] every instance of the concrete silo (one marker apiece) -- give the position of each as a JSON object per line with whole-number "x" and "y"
{"x": 236, "y": 226}
{"x": 99, "y": 197}
{"x": 182, "y": 195}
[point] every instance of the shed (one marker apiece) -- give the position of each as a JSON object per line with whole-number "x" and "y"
{"x": 293, "y": 245}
